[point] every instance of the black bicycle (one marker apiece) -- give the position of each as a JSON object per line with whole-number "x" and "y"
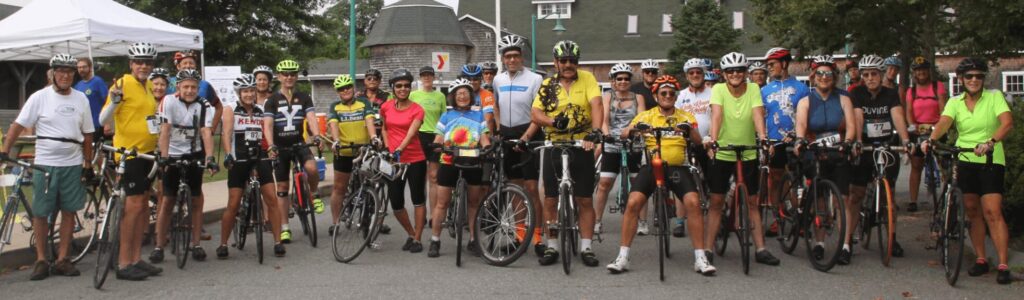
{"x": 250, "y": 217}
{"x": 505, "y": 221}
{"x": 814, "y": 210}
{"x": 182, "y": 211}
{"x": 109, "y": 217}
{"x": 299, "y": 192}
{"x": 878, "y": 207}
{"x": 365, "y": 204}
{"x": 952, "y": 221}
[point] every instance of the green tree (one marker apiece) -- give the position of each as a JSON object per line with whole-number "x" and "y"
{"x": 701, "y": 29}
{"x": 336, "y": 40}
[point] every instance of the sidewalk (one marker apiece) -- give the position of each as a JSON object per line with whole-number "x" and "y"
{"x": 18, "y": 252}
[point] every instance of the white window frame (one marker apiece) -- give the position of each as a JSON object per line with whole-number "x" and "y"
{"x": 1019, "y": 83}
{"x": 954, "y": 85}
{"x": 631, "y": 24}
{"x": 553, "y": 15}
{"x": 805, "y": 79}
{"x": 737, "y": 20}
{"x": 666, "y": 23}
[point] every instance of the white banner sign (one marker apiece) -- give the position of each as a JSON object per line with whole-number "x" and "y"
{"x": 222, "y": 79}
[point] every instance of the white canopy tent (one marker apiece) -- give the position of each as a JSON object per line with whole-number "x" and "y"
{"x": 87, "y": 28}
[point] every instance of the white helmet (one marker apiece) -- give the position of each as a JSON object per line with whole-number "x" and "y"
{"x": 458, "y": 83}
{"x": 871, "y": 61}
{"x": 757, "y": 65}
{"x": 648, "y": 64}
{"x": 734, "y": 60}
{"x": 62, "y": 60}
{"x": 823, "y": 60}
{"x": 244, "y": 81}
{"x": 695, "y": 63}
{"x": 620, "y": 68}
{"x": 142, "y": 51}
{"x": 510, "y": 42}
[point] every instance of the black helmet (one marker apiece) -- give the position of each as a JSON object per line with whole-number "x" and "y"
{"x": 972, "y": 63}
{"x": 566, "y": 49}
{"x": 400, "y": 74}
{"x": 920, "y": 63}
{"x": 427, "y": 69}
{"x": 372, "y": 72}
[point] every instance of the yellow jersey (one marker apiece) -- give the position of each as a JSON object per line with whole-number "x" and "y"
{"x": 131, "y": 128}
{"x": 351, "y": 120}
{"x": 575, "y": 103}
{"x": 673, "y": 144}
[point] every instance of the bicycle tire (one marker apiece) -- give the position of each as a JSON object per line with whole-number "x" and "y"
{"x": 867, "y": 215}
{"x": 887, "y": 224}
{"x": 764, "y": 201}
{"x": 660, "y": 232}
{"x": 304, "y": 210}
{"x": 107, "y": 250}
{"x": 449, "y": 216}
{"x": 789, "y": 219}
{"x": 954, "y": 236}
{"x": 743, "y": 228}
{"x": 88, "y": 213}
{"x": 666, "y": 235}
{"x": 256, "y": 222}
{"x": 825, "y": 220}
{"x": 350, "y": 235}
{"x": 182, "y": 228}
{"x": 623, "y": 189}
{"x": 6, "y": 223}
{"x": 460, "y": 219}
{"x": 563, "y": 232}
{"x": 502, "y": 213}
{"x": 242, "y": 220}
{"x": 722, "y": 238}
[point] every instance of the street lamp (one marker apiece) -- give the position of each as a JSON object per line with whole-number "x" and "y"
{"x": 559, "y": 29}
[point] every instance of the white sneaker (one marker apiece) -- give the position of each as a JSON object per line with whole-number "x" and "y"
{"x": 621, "y": 264}
{"x": 642, "y": 228}
{"x": 597, "y": 228}
{"x": 702, "y": 266}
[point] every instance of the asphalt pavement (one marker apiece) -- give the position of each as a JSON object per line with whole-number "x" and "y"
{"x": 312, "y": 273}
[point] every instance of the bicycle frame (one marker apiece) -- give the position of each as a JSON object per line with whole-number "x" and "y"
{"x": 10, "y": 209}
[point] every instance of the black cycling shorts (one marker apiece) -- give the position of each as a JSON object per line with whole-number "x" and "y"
{"x": 834, "y": 168}
{"x": 677, "y": 179}
{"x": 720, "y": 171}
{"x": 416, "y": 177}
{"x": 979, "y": 179}
{"x": 612, "y": 162}
{"x": 136, "y": 176}
{"x": 425, "y": 140}
{"x": 531, "y": 169}
{"x": 343, "y": 164}
{"x": 581, "y": 167}
{"x": 780, "y": 157}
{"x": 238, "y": 175}
{"x": 285, "y": 156}
{"x": 448, "y": 175}
{"x": 193, "y": 178}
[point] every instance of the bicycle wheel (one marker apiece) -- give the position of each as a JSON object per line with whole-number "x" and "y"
{"x": 742, "y": 225}
{"x": 108, "y": 246}
{"x": 305, "y": 208}
{"x": 789, "y": 219}
{"x": 666, "y": 215}
{"x": 242, "y": 220}
{"x": 7, "y": 222}
{"x": 868, "y": 219}
{"x": 931, "y": 180}
{"x": 660, "y": 232}
{"x": 85, "y": 222}
{"x": 886, "y": 223}
{"x": 954, "y": 235}
{"x": 564, "y": 223}
{"x": 826, "y": 224}
{"x": 350, "y": 234}
{"x": 502, "y": 214}
{"x": 460, "y": 219}
{"x": 764, "y": 201}
{"x": 255, "y": 222}
{"x": 181, "y": 226}
{"x": 722, "y": 239}
{"x": 450, "y": 215}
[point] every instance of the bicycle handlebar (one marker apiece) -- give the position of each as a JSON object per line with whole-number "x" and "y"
{"x": 131, "y": 153}
{"x": 25, "y": 164}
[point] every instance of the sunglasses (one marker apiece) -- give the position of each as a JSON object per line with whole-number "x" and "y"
{"x": 731, "y": 71}
{"x": 372, "y": 78}
{"x": 512, "y": 56}
{"x": 289, "y": 74}
{"x": 622, "y": 79}
{"x": 566, "y": 61}
{"x": 826, "y": 74}
{"x": 650, "y": 71}
{"x": 667, "y": 93}
{"x": 695, "y": 73}
{"x": 869, "y": 74}
{"x": 345, "y": 88}
{"x": 974, "y": 76}
{"x": 143, "y": 62}
{"x": 403, "y": 86}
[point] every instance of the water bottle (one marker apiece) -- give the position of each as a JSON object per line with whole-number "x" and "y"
{"x": 321, "y": 167}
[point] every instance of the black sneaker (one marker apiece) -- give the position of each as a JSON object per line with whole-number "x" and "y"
{"x": 40, "y": 271}
{"x": 765, "y": 257}
{"x": 279, "y": 250}
{"x": 679, "y": 231}
{"x": 473, "y": 248}
{"x": 408, "y": 244}
{"x": 416, "y": 247}
{"x": 550, "y": 257}
{"x": 150, "y": 269}
{"x": 978, "y": 269}
{"x": 818, "y": 252}
{"x": 844, "y": 257}
{"x": 897, "y": 250}
{"x": 132, "y": 273}
{"x": 539, "y": 249}
{"x": 912, "y": 207}
{"x": 385, "y": 229}
{"x": 589, "y": 258}
{"x": 435, "y": 249}
{"x": 1003, "y": 277}
{"x": 157, "y": 256}
{"x": 65, "y": 268}
{"x": 222, "y": 252}
{"x": 198, "y": 253}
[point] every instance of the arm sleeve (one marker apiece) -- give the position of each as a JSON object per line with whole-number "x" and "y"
{"x": 210, "y": 112}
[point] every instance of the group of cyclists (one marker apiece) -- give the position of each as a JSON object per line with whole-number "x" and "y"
{"x": 738, "y": 103}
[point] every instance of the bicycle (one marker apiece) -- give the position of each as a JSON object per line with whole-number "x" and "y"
{"x": 109, "y": 218}
{"x": 505, "y": 221}
{"x": 299, "y": 194}
{"x": 182, "y": 210}
{"x": 769, "y": 213}
{"x": 812, "y": 219}
{"x": 735, "y": 215}
{"x": 878, "y": 208}
{"x": 627, "y": 146}
{"x": 567, "y": 221}
{"x": 953, "y": 224}
{"x": 365, "y": 205}
{"x": 17, "y": 197}
{"x": 931, "y": 170}
{"x": 250, "y": 215}
{"x": 662, "y": 201}
{"x": 457, "y": 216}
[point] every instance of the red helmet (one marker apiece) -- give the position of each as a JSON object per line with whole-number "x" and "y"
{"x": 778, "y": 53}
{"x": 665, "y": 80}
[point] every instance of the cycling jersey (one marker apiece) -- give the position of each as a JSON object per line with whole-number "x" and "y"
{"x": 780, "y": 101}
{"x": 135, "y": 122}
{"x": 574, "y": 103}
{"x": 185, "y": 137}
{"x": 673, "y": 144}
{"x": 351, "y": 120}
{"x": 737, "y": 126}
{"x": 433, "y": 104}
{"x": 377, "y": 100}
{"x": 514, "y": 96}
{"x": 247, "y": 137}
{"x": 484, "y": 101}
{"x": 698, "y": 104}
{"x": 925, "y": 101}
{"x": 461, "y": 128}
{"x": 878, "y": 125}
{"x": 206, "y": 90}
{"x": 619, "y": 117}
{"x": 978, "y": 126}
{"x": 825, "y": 118}
{"x": 288, "y": 116}
{"x": 397, "y": 123}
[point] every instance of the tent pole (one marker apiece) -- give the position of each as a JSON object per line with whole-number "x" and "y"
{"x": 88, "y": 41}
{"x": 202, "y": 61}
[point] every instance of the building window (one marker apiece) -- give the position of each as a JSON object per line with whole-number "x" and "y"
{"x": 1013, "y": 83}
{"x": 955, "y": 88}
{"x": 666, "y": 23}
{"x": 805, "y": 79}
{"x": 631, "y": 24}
{"x": 554, "y": 11}
{"x": 737, "y": 20}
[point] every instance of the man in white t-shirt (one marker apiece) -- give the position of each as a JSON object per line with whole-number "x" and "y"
{"x": 696, "y": 100}
{"x": 63, "y": 125}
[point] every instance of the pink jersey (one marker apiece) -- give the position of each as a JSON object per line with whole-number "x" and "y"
{"x": 926, "y": 102}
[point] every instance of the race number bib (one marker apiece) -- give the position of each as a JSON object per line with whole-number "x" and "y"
{"x": 253, "y": 135}
{"x": 153, "y": 124}
{"x": 880, "y": 129}
{"x": 469, "y": 152}
{"x": 385, "y": 168}
{"x": 184, "y": 133}
{"x": 829, "y": 139}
